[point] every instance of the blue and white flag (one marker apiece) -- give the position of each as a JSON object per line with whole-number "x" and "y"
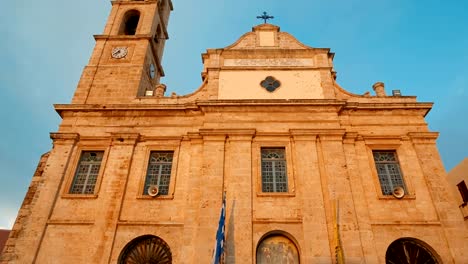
{"x": 219, "y": 245}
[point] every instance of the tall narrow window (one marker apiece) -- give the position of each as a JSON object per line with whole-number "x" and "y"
{"x": 463, "y": 191}
{"x": 130, "y": 23}
{"x": 274, "y": 175}
{"x": 159, "y": 171}
{"x": 388, "y": 170}
{"x": 87, "y": 172}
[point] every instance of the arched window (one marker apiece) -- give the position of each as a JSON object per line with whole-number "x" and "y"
{"x": 277, "y": 248}
{"x": 130, "y": 22}
{"x": 410, "y": 251}
{"x": 146, "y": 249}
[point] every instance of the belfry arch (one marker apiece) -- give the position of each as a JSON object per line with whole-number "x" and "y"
{"x": 130, "y": 22}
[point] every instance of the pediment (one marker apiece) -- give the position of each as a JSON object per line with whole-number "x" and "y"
{"x": 267, "y": 36}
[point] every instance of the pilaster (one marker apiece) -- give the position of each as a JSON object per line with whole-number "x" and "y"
{"x": 337, "y": 191}
{"x": 112, "y": 193}
{"x": 355, "y": 151}
{"x": 447, "y": 209}
{"x": 315, "y": 248}
{"x": 238, "y": 186}
{"x": 211, "y": 192}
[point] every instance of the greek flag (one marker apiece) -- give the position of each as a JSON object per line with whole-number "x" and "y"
{"x": 219, "y": 245}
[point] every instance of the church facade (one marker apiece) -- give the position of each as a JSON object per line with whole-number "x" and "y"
{"x": 308, "y": 172}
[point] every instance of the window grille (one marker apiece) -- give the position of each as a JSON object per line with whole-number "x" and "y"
{"x": 389, "y": 171}
{"x": 274, "y": 175}
{"x": 463, "y": 191}
{"x": 87, "y": 172}
{"x": 409, "y": 250}
{"x": 159, "y": 171}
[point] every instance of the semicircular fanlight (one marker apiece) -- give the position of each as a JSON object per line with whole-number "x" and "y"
{"x": 146, "y": 250}
{"x": 406, "y": 251}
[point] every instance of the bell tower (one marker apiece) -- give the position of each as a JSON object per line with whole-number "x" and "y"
{"x": 126, "y": 62}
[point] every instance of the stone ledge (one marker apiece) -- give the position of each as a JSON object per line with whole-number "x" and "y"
{"x": 148, "y": 223}
{"x": 437, "y": 223}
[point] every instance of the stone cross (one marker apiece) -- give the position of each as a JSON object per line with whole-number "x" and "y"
{"x": 265, "y": 17}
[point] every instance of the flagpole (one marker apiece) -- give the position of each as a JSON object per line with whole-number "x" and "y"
{"x": 220, "y": 237}
{"x": 339, "y": 248}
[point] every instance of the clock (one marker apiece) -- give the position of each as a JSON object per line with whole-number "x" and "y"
{"x": 152, "y": 71}
{"x": 119, "y": 52}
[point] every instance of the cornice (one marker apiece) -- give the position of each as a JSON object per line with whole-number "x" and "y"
{"x": 124, "y": 138}
{"x": 424, "y": 106}
{"x": 61, "y": 136}
{"x": 60, "y": 108}
{"x": 313, "y": 105}
{"x": 273, "y": 102}
{"x": 265, "y": 68}
{"x": 123, "y": 37}
{"x": 423, "y": 137}
{"x": 146, "y": 2}
{"x": 227, "y": 132}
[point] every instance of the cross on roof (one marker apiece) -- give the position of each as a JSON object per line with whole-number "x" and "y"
{"x": 265, "y": 17}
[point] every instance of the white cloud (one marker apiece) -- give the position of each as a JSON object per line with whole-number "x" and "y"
{"x": 7, "y": 217}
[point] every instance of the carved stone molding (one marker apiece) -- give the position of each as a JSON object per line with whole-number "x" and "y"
{"x": 60, "y": 137}
{"x": 124, "y": 138}
{"x": 423, "y": 137}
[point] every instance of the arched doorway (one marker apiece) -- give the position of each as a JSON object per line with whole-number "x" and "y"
{"x": 410, "y": 251}
{"x": 277, "y": 249}
{"x": 146, "y": 249}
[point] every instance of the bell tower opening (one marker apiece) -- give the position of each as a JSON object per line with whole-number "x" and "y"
{"x": 130, "y": 23}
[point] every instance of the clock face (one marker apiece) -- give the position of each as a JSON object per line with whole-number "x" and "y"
{"x": 119, "y": 52}
{"x": 152, "y": 71}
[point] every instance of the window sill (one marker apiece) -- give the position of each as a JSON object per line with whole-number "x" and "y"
{"x": 79, "y": 196}
{"x": 391, "y": 197}
{"x": 159, "y": 197}
{"x": 275, "y": 194}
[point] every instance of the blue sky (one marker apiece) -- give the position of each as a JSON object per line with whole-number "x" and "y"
{"x": 419, "y": 47}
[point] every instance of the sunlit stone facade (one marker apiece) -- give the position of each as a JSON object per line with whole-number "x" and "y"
{"x": 310, "y": 171}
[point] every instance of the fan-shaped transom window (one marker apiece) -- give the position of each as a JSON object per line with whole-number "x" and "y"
{"x": 277, "y": 249}
{"x": 410, "y": 251}
{"x": 146, "y": 250}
